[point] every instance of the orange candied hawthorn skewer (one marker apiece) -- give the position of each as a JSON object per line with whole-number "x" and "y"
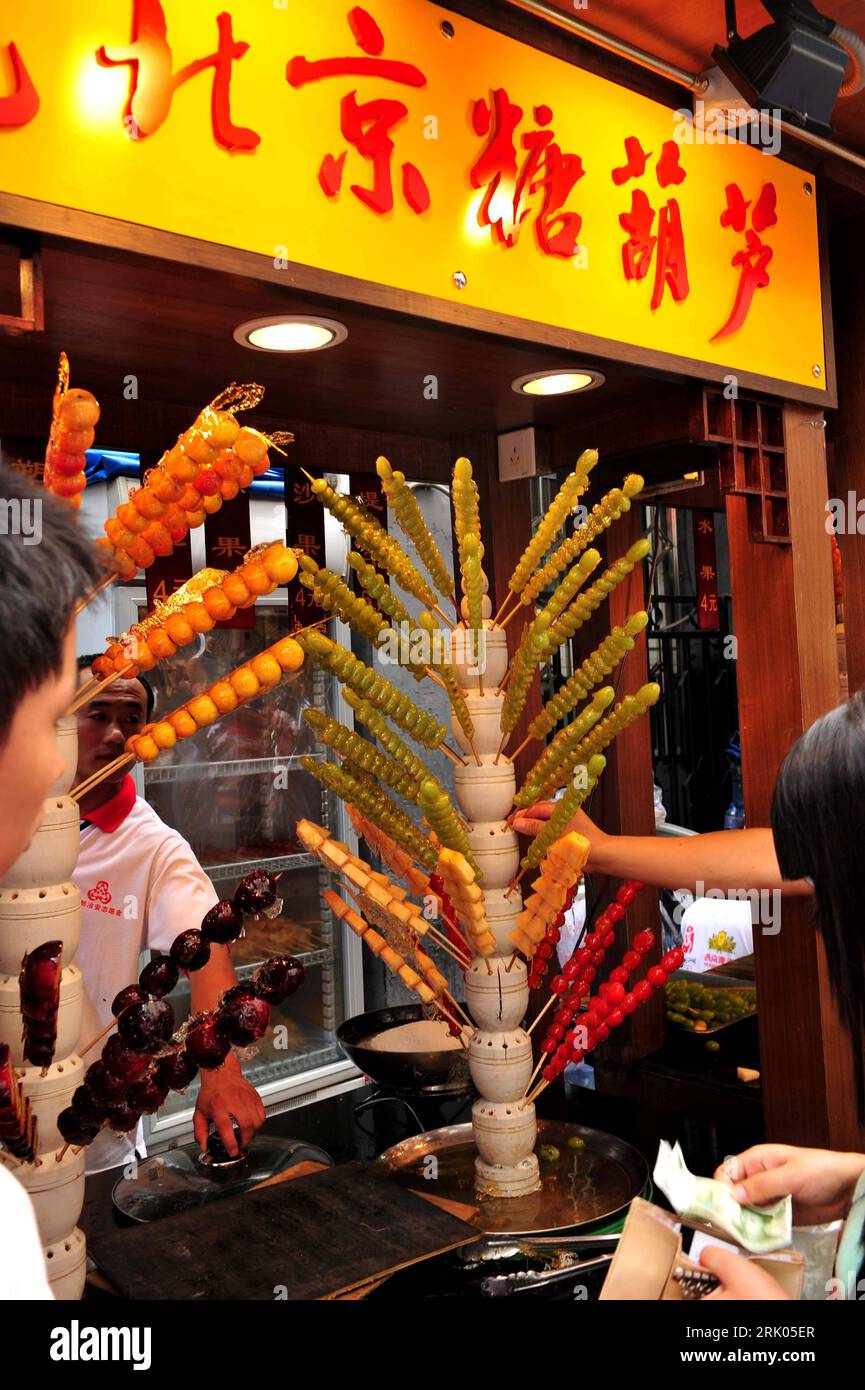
{"x": 255, "y": 677}
{"x": 210, "y": 463}
{"x": 75, "y": 414}
{"x": 209, "y": 597}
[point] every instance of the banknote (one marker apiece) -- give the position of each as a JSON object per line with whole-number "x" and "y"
{"x": 758, "y": 1229}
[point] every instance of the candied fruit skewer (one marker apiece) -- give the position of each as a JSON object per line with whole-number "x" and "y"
{"x": 601, "y": 736}
{"x": 586, "y": 603}
{"x": 335, "y": 597}
{"x": 211, "y": 461}
{"x": 369, "y": 685}
{"x": 571, "y": 490}
{"x": 611, "y": 506}
{"x": 74, "y": 416}
{"x": 210, "y": 596}
{"x": 377, "y": 806}
{"x": 403, "y": 502}
{"x": 255, "y": 677}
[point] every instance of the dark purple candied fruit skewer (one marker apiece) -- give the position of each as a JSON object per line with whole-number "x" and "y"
{"x": 277, "y": 978}
{"x": 159, "y": 977}
{"x": 205, "y": 1042}
{"x": 242, "y": 1015}
{"x": 39, "y": 986}
{"x": 190, "y": 950}
{"x": 124, "y": 1062}
{"x": 256, "y": 892}
{"x": 177, "y": 1070}
{"x": 146, "y": 1027}
{"x": 131, "y": 994}
{"x": 223, "y": 923}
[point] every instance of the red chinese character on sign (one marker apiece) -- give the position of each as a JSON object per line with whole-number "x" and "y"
{"x": 754, "y": 258}
{"x": 153, "y": 85}
{"x": 666, "y": 245}
{"x": 545, "y": 169}
{"x": 22, "y": 103}
{"x": 367, "y": 125}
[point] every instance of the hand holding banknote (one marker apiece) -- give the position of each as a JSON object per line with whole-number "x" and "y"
{"x": 819, "y": 1181}
{"x": 711, "y": 1202}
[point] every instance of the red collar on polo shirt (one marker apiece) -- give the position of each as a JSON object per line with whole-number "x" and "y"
{"x": 114, "y": 812}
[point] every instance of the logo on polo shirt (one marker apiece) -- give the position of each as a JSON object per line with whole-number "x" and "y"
{"x": 99, "y": 897}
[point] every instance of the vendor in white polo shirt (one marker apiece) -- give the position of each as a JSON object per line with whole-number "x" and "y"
{"x": 140, "y": 885}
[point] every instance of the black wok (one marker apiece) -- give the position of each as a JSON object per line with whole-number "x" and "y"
{"x": 413, "y": 1073}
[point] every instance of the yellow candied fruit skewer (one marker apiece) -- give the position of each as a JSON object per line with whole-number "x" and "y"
{"x": 256, "y": 676}
{"x": 611, "y": 506}
{"x": 573, "y": 487}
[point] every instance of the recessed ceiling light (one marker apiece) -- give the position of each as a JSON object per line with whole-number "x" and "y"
{"x": 301, "y": 333}
{"x": 557, "y": 382}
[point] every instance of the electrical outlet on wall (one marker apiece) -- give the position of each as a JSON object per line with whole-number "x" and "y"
{"x": 517, "y": 455}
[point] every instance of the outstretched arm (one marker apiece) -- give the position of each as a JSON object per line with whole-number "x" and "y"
{"x": 722, "y": 859}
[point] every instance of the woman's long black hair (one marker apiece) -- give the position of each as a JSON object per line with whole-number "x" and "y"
{"x": 818, "y": 823}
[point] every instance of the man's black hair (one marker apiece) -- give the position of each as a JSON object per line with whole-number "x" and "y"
{"x": 87, "y": 661}
{"x": 41, "y": 584}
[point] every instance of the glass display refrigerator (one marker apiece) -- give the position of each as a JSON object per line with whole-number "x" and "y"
{"x": 235, "y": 792}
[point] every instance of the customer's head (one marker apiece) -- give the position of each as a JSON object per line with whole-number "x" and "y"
{"x": 47, "y": 565}
{"x": 818, "y": 823}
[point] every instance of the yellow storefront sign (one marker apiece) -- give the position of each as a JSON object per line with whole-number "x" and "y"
{"x": 402, "y": 144}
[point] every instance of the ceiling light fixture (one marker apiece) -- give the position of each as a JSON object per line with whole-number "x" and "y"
{"x": 300, "y": 333}
{"x": 557, "y": 382}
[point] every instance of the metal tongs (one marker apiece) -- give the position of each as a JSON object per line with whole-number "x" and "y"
{"x": 528, "y": 1281}
{"x": 565, "y": 1250}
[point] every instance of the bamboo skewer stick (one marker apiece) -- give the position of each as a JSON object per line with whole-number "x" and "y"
{"x": 94, "y": 592}
{"x": 542, "y": 1062}
{"x": 95, "y": 686}
{"x": 99, "y": 1036}
{"x": 96, "y": 777}
{"x": 444, "y": 617}
{"x": 462, "y": 1013}
{"x": 530, "y": 1100}
{"x": 434, "y": 677}
{"x": 514, "y": 881}
{"x": 445, "y": 945}
{"x": 448, "y": 1018}
{"x": 552, "y": 999}
{"x": 7, "y": 1157}
{"x": 517, "y": 751}
{"x": 454, "y": 757}
{"x": 508, "y": 673}
{"x": 512, "y": 614}
{"x": 512, "y": 962}
{"x": 505, "y": 737}
{"x": 508, "y": 598}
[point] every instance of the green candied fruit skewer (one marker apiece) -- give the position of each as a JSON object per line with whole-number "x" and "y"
{"x": 335, "y": 597}
{"x": 566, "y": 809}
{"x": 464, "y": 491}
{"x": 604, "y": 659}
{"x": 472, "y": 579}
{"x": 573, "y": 580}
{"x": 611, "y": 506}
{"x": 531, "y": 654}
{"x": 393, "y": 745}
{"x": 564, "y": 628}
{"x": 368, "y": 683}
{"x": 362, "y": 753}
{"x": 565, "y": 741}
{"x": 375, "y": 584}
{"x": 569, "y": 493}
{"x": 436, "y": 806}
{"x": 452, "y": 685}
{"x": 410, "y": 518}
{"x": 371, "y": 536}
{"x": 601, "y": 736}
{"x": 377, "y": 806}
